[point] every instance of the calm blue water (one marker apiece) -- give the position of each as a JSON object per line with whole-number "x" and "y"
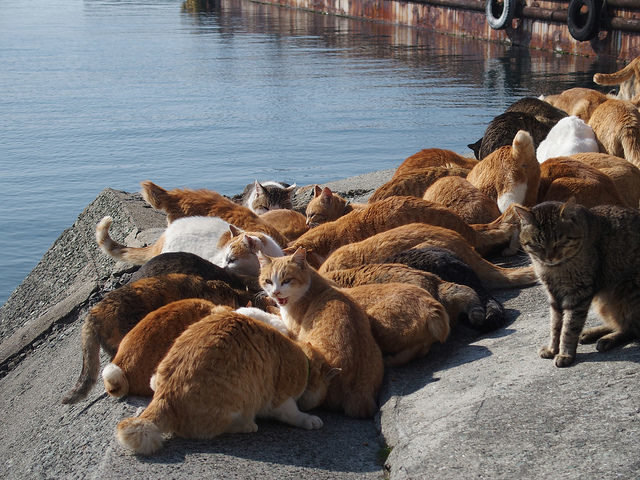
{"x": 213, "y": 95}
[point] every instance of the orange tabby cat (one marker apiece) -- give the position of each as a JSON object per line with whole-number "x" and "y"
{"x": 616, "y": 124}
{"x": 563, "y": 177}
{"x": 628, "y": 78}
{"x": 434, "y": 157}
{"x": 510, "y": 174}
{"x": 405, "y": 319}
{"x": 178, "y": 203}
{"x": 326, "y": 206}
{"x": 377, "y": 248}
{"x": 144, "y": 346}
{"x": 289, "y": 223}
{"x": 222, "y": 373}
{"x": 459, "y": 195}
{"x": 577, "y": 101}
{"x": 415, "y": 181}
{"x": 318, "y": 313}
{"x": 624, "y": 175}
{"x": 120, "y": 310}
{"x": 390, "y": 213}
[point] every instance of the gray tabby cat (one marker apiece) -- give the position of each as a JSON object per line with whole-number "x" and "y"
{"x": 585, "y": 256}
{"x": 265, "y": 196}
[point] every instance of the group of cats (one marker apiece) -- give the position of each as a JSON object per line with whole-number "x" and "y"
{"x": 255, "y": 310}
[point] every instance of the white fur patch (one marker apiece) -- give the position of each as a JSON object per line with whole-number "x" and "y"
{"x": 265, "y": 317}
{"x": 199, "y": 235}
{"x": 570, "y": 135}
{"x": 516, "y": 195}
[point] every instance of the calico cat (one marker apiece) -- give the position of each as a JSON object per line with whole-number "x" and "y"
{"x": 570, "y": 135}
{"x": 318, "y": 313}
{"x": 378, "y": 248}
{"x": 178, "y": 203}
{"x": 460, "y": 301}
{"x": 628, "y": 78}
{"x": 583, "y": 257}
{"x": 510, "y": 174}
{"x": 616, "y": 123}
{"x": 263, "y": 197}
{"x": 222, "y": 373}
{"x": 326, "y": 206}
{"x": 405, "y": 319}
{"x": 120, "y": 310}
{"x": 144, "y": 346}
{"x": 289, "y": 223}
{"x": 414, "y": 183}
{"x": 239, "y": 256}
{"x": 624, "y": 175}
{"x": 565, "y": 177}
{"x": 460, "y": 196}
{"x": 390, "y": 213}
{"x": 578, "y": 101}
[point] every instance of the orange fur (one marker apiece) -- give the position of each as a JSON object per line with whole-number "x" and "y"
{"x": 616, "y": 124}
{"x": 577, "y": 101}
{"x": 434, "y": 157}
{"x": 628, "y": 78}
{"x": 415, "y": 181}
{"x": 326, "y": 206}
{"x": 289, "y": 223}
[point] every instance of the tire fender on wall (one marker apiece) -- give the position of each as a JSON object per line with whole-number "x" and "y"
{"x": 500, "y": 18}
{"x": 583, "y": 26}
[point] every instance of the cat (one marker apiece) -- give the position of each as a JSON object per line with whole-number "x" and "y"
{"x": 460, "y": 196}
{"x": 570, "y": 135}
{"x": 222, "y": 373}
{"x": 585, "y": 257}
{"x": 624, "y": 175}
{"x": 628, "y": 78}
{"x": 144, "y": 346}
{"x": 120, "y": 310}
{"x": 616, "y": 124}
{"x": 460, "y": 301}
{"x": 405, "y": 319}
{"x": 378, "y": 248}
{"x": 263, "y": 197}
{"x": 433, "y": 157}
{"x": 577, "y": 101}
{"x": 178, "y": 203}
{"x": 239, "y": 255}
{"x": 326, "y": 206}
{"x": 318, "y": 313}
{"x": 546, "y": 114}
{"x": 450, "y": 268}
{"x": 390, "y": 213}
{"x": 289, "y": 223}
{"x": 510, "y": 174}
{"x": 563, "y": 177}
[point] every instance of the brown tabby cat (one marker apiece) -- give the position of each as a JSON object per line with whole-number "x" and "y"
{"x": 178, "y": 203}
{"x": 565, "y": 177}
{"x": 390, "y": 213}
{"x": 144, "y": 346}
{"x": 289, "y": 223}
{"x": 415, "y": 182}
{"x": 616, "y": 123}
{"x": 222, "y": 373}
{"x": 577, "y": 101}
{"x": 318, "y": 313}
{"x": 460, "y": 196}
{"x": 583, "y": 257}
{"x": 377, "y": 248}
{"x": 326, "y": 206}
{"x": 266, "y": 196}
{"x": 120, "y": 310}
{"x": 624, "y": 175}
{"x": 405, "y": 319}
{"x": 510, "y": 174}
{"x": 628, "y": 78}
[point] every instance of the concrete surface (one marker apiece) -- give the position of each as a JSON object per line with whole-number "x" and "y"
{"x": 475, "y": 407}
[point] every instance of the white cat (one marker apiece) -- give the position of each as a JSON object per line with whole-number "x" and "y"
{"x": 240, "y": 254}
{"x": 570, "y": 135}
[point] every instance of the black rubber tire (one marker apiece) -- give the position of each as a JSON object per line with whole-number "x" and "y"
{"x": 497, "y": 18}
{"x": 583, "y": 26}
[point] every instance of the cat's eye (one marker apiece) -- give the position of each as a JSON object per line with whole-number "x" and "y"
{"x": 286, "y": 280}
{"x": 268, "y": 281}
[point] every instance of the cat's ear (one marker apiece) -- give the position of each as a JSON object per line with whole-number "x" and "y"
{"x": 259, "y": 188}
{"x": 316, "y": 191}
{"x": 235, "y": 231}
{"x": 525, "y": 215}
{"x": 263, "y": 259}
{"x": 300, "y": 256}
{"x": 326, "y": 195}
{"x": 289, "y": 250}
{"x": 249, "y": 304}
{"x": 568, "y": 209}
{"x": 290, "y": 188}
{"x": 252, "y": 243}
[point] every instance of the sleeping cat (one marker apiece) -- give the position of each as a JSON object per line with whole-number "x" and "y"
{"x": 460, "y": 196}
{"x": 178, "y": 203}
{"x": 378, "y": 248}
{"x": 570, "y": 135}
{"x": 583, "y": 257}
{"x": 433, "y": 157}
{"x": 239, "y": 256}
{"x": 120, "y": 310}
{"x": 578, "y": 101}
{"x": 318, "y": 313}
{"x": 265, "y": 196}
{"x": 222, "y": 373}
{"x": 289, "y": 223}
{"x": 628, "y": 78}
{"x": 616, "y": 123}
{"x": 326, "y": 206}
{"x": 510, "y": 174}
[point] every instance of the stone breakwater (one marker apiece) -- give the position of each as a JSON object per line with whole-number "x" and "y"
{"x": 477, "y": 406}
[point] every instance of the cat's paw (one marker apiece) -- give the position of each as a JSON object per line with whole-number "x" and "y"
{"x": 605, "y": 344}
{"x": 563, "y": 360}
{"x": 546, "y": 352}
{"x": 311, "y": 422}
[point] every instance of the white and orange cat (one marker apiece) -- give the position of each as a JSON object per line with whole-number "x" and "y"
{"x": 327, "y": 206}
{"x": 220, "y": 374}
{"x": 316, "y": 312}
{"x": 239, "y": 255}
{"x": 628, "y": 78}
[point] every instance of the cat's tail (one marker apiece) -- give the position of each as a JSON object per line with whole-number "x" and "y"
{"x": 90, "y": 363}
{"x": 115, "y": 381}
{"x": 143, "y": 434}
{"x": 492, "y": 276}
{"x": 631, "y": 145}
{"x": 134, "y": 255}
{"x": 618, "y": 77}
{"x": 156, "y": 196}
{"x": 439, "y": 325}
{"x": 499, "y": 236}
